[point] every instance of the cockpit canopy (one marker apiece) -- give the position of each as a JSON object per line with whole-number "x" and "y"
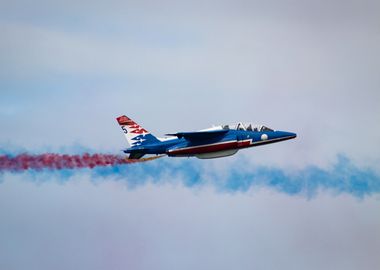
{"x": 247, "y": 127}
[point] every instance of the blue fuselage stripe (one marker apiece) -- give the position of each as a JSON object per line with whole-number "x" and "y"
{"x": 239, "y": 136}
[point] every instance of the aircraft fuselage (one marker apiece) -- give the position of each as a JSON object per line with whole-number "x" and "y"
{"x": 222, "y": 145}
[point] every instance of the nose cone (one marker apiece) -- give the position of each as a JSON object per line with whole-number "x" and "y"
{"x": 285, "y": 135}
{"x": 291, "y": 135}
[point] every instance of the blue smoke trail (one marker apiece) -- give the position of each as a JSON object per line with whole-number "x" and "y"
{"x": 343, "y": 178}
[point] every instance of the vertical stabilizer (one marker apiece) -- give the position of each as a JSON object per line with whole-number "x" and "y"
{"x": 135, "y": 134}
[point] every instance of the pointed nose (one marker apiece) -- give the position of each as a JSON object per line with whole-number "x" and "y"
{"x": 291, "y": 135}
{"x": 286, "y": 135}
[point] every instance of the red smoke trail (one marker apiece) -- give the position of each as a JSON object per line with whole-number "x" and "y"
{"x": 57, "y": 161}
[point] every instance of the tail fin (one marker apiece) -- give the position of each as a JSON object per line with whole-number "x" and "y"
{"x": 135, "y": 134}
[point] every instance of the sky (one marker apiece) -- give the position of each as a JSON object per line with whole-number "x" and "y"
{"x": 69, "y": 68}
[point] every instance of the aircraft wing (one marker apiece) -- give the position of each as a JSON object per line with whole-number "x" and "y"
{"x": 199, "y": 135}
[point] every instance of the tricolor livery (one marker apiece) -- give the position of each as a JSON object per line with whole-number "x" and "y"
{"x": 219, "y": 141}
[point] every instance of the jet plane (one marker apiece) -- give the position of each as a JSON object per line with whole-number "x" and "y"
{"x": 215, "y": 142}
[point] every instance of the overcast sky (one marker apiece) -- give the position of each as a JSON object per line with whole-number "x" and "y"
{"x": 68, "y": 68}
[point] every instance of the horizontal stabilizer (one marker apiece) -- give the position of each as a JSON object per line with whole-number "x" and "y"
{"x": 135, "y": 155}
{"x": 199, "y": 135}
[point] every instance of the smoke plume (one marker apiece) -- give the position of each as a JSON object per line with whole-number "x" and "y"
{"x": 343, "y": 177}
{"x": 52, "y": 161}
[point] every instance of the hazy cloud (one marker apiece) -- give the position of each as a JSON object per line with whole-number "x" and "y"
{"x": 68, "y": 68}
